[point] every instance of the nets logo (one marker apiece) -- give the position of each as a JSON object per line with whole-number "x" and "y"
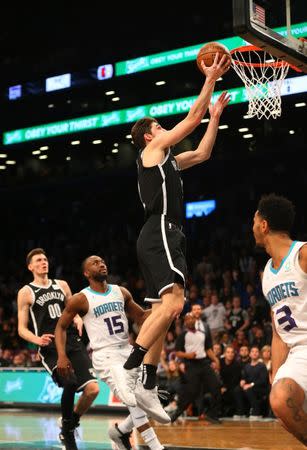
{"x": 105, "y": 72}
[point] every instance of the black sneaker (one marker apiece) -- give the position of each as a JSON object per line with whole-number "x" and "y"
{"x": 213, "y": 419}
{"x": 67, "y": 439}
{"x": 175, "y": 414}
{"x": 122, "y": 440}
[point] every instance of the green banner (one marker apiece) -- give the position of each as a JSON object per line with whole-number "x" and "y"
{"x": 123, "y": 116}
{"x": 29, "y": 386}
{"x": 186, "y": 54}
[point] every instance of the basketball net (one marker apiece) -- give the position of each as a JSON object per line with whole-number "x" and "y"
{"x": 263, "y": 75}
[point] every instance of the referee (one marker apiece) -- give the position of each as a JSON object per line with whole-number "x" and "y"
{"x": 195, "y": 348}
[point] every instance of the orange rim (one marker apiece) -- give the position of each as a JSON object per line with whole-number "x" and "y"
{"x": 251, "y": 48}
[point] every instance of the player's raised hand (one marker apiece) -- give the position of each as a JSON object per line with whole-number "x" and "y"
{"x": 217, "y": 108}
{"x": 218, "y": 68}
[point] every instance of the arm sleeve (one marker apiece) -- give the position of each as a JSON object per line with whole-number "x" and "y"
{"x": 179, "y": 345}
{"x": 208, "y": 340}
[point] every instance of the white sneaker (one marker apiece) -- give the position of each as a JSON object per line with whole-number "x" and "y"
{"x": 238, "y": 417}
{"x": 121, "y": 440}
{"x": 148, "y": 400}
{"x": 255, "y": 418}
{"x": 125, "y": 383}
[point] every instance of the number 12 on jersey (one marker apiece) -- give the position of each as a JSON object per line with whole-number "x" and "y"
{"x": 114, "y": 324}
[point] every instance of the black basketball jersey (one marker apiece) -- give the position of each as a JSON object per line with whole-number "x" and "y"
{"x": 48, "y": 305}
{"x": 160, "y": 189}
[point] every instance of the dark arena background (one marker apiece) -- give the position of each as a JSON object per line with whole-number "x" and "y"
{"x": 73, "y": 81}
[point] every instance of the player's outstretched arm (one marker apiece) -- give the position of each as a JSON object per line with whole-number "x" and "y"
{"x": 204, "y": 149}
{"x": 198, "y": 109}
{"x": 132, "y": 309}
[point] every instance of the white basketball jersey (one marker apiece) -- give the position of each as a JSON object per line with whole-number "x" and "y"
{"x": 286, "y": 291}
{"x": 106, "y": 322}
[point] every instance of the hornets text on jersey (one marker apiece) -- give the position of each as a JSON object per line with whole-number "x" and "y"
{"x": 285, "y": 289}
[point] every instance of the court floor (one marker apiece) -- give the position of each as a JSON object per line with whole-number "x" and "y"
{"x": 39, "y": 430}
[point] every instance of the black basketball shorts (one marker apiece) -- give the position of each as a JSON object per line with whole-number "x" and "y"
{"x": 79, "y": 358}
{"x": 161, "y": 250}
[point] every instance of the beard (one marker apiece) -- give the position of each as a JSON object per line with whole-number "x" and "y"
{"x": 101, "y": 277}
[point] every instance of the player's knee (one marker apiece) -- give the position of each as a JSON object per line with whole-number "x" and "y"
{"x": 91, "y": 390}
{"x": 69, "y": 384}
{"x": 283, "y": 393}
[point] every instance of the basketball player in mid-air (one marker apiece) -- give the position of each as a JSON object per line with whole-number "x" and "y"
{"x": 161, "y": 243}
{"x": 42, "y": 301}
{"x": 104, "y": 309}
{"x": 284, "y": 285}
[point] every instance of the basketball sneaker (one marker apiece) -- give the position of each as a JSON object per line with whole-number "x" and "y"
{"x": 148, "y": 400}
{"x": 67, "y": 435}
{"x": 122, "y": 440}
{"x": 125, "y": 381}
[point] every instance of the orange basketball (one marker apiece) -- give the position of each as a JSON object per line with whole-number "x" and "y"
{"x": 208, "y": 51}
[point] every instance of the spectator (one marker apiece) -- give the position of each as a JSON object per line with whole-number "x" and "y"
{"x": 230, "y": 376}
{"x": 215, "y": 315}
{"x": 239, "y": 340}
{"x": 238, "y": 318}
{"x": 253, "y": 388}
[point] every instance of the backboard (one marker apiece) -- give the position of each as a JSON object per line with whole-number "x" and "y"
{"x": 254, "y": 21}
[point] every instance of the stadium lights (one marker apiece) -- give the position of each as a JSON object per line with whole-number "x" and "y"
{"x": 75, "y": 142}
{"x": 204, "y": 120}
{"x": 160, "y": 83}
{"x": 115, "y": 99}
{"x": 10, "y": 162}
{"x": 51, "y": 105}
{"x": 115, "y": 144}
{"x": 44, "y": 147}
{"x": 291, "y": 131}
{"x": 248, "y": 136}
{"x": 68, "y": 158}
{"x": 299, "y": 105}
{"x": 223, "y": 127}
{"x": 110, "y": 92}
{"x": 128, "y": 136}
{"x": 2, "y": 167}
{"x": 242, "y": 130}
{"x": 36, "y": 152}
{"x": 97, "y": 141}
{"x": 43, "y": 157}
{"x": 3, "y": 155}
{"x": 114, "y": 150}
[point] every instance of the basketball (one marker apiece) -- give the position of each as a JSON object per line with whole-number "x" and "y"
{"x": 208, "y": 51}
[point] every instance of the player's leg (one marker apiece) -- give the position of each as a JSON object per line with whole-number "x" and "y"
{"x": 69, "y": 385}
{"x": 85, "y": 379}
{"x": 287, "y": 400}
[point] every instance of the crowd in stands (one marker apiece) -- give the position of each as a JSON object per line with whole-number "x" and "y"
{"x": 223, "y": 292}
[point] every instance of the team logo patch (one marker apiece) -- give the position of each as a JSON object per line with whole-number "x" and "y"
{"x": 287, "y": 266}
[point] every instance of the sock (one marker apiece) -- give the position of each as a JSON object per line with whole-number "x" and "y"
{"x": 126, "y": 425}
{"x": 67, "y": 402}
{"x": 149, "y": 378}
{"x": 150, "y": 438}
{"x": 136, "y": 357}
{"x": 76, "y": 418}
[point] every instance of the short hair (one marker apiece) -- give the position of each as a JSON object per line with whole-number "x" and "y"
{"x": 138, "y": 130}
{"x": 35, "y": 251}
{"x": 278, "y": 211}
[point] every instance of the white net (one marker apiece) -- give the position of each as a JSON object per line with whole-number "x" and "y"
{"x": 263, "y": 76}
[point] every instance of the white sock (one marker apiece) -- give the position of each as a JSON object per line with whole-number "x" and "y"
{"x": 150, "y": 438}
{"x": 126, "y": 425}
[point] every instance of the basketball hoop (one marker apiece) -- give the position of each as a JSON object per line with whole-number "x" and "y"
{"x": 263, "y": 75}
